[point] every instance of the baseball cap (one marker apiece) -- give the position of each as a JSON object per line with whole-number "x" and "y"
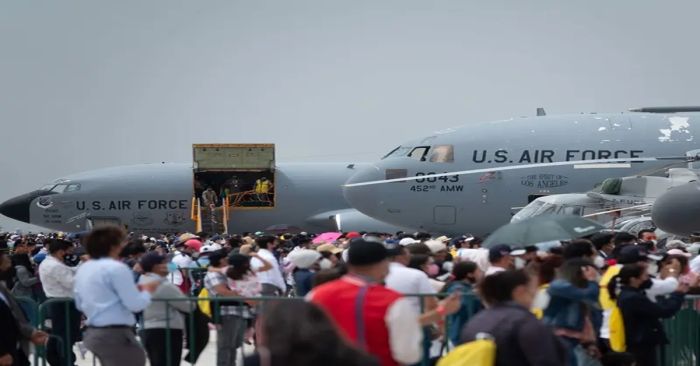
{"x": 408, "y": 241}
{"x": 501, "y": 250}
{"x": 352, "y": 235}
{"x": 194, "y": 244}
{"x": 443, "y": 238}
{"x": 462, "y": 239}
{"x": 635, "y": 253}
{"x": 362, "y": 252}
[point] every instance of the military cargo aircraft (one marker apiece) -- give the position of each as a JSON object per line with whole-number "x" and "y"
{"x": 467, "y": 179}
{"x": 157, "y": 198}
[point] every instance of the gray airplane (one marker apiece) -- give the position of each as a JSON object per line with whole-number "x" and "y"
{"x": 157, "y": 198}
{"x": 467, "y": 179}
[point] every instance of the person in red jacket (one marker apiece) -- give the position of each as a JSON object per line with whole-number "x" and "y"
{"x": 373, "y": 317}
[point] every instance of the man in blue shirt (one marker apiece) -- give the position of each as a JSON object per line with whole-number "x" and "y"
{"x": 105, "y": 292}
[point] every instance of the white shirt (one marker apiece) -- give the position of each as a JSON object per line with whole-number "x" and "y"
{"x": 182, "y": 261}
{"x": 479, "y": 256}
{"x": 405, "y": 332}
{"x": 57, "y": 278}
{"x": 494, "y": 270}
{"x": 408, "y": 281}
{"x": 273, "y": 276}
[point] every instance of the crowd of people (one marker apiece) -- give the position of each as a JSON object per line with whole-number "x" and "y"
{"x": 370, "y": 298}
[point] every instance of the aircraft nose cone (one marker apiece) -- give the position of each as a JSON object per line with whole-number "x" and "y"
{"x": 364, "y": 198}
{"x": 17, "y": 208}
{"x": 678, "y": 210}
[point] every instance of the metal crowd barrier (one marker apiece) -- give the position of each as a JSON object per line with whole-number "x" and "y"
{"x": 683, "y": 329}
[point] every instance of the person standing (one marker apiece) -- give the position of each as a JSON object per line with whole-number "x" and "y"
{"x": 106, "y": 293}
{"x": 230, "y": 316}
{"x": 272, "y": 281}
{"x": 521, "y": 339}
{"x": 644, "y": 333}
{"x": 15, "y": 329}
{"x": 501, "y": 258}
{"x": 58, "y": 279}
{"x": 25, "y": 271}
{"x": 163, "y": 323}
{"x": 375, "y": 318}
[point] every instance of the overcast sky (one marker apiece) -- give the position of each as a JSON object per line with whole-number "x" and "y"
{"x": 87, "y": 84}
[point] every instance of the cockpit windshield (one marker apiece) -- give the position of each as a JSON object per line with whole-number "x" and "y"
{"x": 398, "y": 152}
{"x": 61, "y": 187}
{"x": 537, "y": 208}
{"x": 433, "y": 154}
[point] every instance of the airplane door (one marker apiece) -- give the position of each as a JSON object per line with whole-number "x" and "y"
{"x": 445, "y": 215}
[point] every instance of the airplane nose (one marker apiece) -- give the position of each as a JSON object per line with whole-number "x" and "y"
{"x": 17, "y": 208}
{"x": 364, "y": 198}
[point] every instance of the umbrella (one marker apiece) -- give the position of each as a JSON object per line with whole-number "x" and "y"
{"x": 327, "y": 237}
{"x": 543, "y": 228}
{"x": 283, "y": 229}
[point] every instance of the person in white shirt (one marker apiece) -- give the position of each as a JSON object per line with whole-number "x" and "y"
{"x": 182, "y": 259}
{"x": 408, "y": 280}
{"x": 501, "y": 258}
{"x": 271, "y": 280}
{"x": 57, "y": 280}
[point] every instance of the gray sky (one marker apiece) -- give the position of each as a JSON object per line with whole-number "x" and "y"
{"x": 86, "y": 84}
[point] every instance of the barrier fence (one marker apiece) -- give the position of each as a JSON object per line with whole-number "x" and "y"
{"x": 683, "y": 329}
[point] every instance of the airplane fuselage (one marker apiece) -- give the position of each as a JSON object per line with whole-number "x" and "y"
{"x": 479, "y": 203}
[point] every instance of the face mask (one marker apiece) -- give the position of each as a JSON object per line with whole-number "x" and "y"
{"x": 433, "y": 270}
{"x": 599, "y": 262}
{"x": 172, "y": 267}
{"x": 519, "y": 263}
{"x": 325, "y": 263}
{"x": 646, "y": 284}
{"x": 195, "y": 255}
{"x": 10, "y": 244}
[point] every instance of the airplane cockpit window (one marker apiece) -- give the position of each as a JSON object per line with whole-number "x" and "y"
{"x": 47, "y": 187}
{"x": 419, "y": 153}
{"x": 398, "y": 152}
{"x": 72, "y": 188}
{"x": 59, "y": 188}
{"x": 442, "y": 154}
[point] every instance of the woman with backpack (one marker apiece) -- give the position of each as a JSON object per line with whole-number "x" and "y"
{"x": 644, "y": 332}
{"x": 521, "y": 339}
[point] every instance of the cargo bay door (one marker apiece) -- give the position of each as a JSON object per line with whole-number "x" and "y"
{"x": 228, "y": 177}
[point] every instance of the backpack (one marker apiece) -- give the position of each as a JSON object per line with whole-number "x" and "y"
{"x": 617, "y": 330}
{"x": 204, "y": 305}
{"x": 480, "y": 352}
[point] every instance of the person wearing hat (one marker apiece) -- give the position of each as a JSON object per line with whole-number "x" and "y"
{"x": 330, "y": 256}
{"x": 389, "y": 326}
{"x": 501, "y": 258}
{"x": 634, "y": 254}
{"x": 438, "y": 250}
{"x": 185, "y": 250}
{"x": 163, "y": 322}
